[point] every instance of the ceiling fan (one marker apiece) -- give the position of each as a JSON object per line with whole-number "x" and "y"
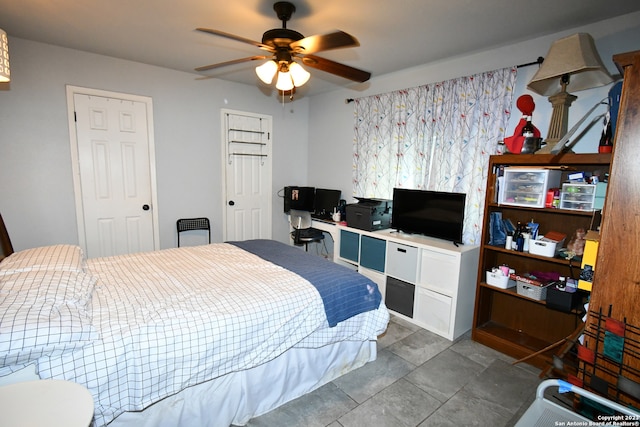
{"x": 284, "y": 46}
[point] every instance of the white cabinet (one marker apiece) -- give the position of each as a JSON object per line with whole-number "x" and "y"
{"x": 429, "y": 282}
{"x": 446, "y": 283}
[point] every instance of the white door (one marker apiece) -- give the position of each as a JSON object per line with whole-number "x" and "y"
{"x": 114, "y": 176}
{"x": 247, "y": 167}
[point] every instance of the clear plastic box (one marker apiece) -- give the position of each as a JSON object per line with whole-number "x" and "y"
{"x": 527, "y": 186}
{"x": 578, "y": 196}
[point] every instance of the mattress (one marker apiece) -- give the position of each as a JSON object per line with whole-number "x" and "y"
{"x": 146, "y": 326}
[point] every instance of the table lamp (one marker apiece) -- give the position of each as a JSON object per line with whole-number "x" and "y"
{"x": 5, "y": 74}
{"x": 572, "y": 62}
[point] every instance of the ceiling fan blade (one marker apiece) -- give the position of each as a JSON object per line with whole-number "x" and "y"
{"x": 336, "y": 68}
{"x": 232, "y": 62}
{"x": 236, "y": 38}
{"x": 318, "y": 43}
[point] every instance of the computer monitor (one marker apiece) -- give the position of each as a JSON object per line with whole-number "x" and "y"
{"x": 300, "y": 198}
{"x": 325, "y": 201}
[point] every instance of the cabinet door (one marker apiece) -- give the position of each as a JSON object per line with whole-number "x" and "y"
{"x": 349, "y": 245}
{"x": 372, "y": 253}
{"x": 402, "y": 262}
{"x": 434, "y": 311}
{"x": 439, "y": 271}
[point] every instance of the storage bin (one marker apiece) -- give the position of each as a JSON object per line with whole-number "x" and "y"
{"x": 563, "y": 300}
{"x": 535, "y": 292}
{"x": 578, "y": 196}
{"x": 547, "y": 245}
{"x": 402, "y": 261}
{"x": 530, "y": 286}
{"x": 527, "y": 186}
{"x": 543, "y": 248}
{"x": 499, "y": 280}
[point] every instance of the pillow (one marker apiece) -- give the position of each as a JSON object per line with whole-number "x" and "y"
{"x": 45, "y": 285}
{"x": 43, "y": 313}
{"x": 56, "y": 257}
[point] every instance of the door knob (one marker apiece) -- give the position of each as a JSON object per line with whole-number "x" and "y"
{"x": 145, "y": 207}
{"x": 231, "y": 203}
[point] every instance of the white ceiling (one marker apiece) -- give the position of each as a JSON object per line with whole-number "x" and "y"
{"x": 393, "y": 35}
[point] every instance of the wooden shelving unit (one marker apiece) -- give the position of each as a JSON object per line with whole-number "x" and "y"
{"x": 504, "y": 320}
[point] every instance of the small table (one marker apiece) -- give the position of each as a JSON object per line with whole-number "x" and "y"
{"x": 53, "y": 403}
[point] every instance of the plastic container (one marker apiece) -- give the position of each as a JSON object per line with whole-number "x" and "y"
{"x": 578, "y": 197}
{"x": 527, "y": 186}
{"x": 499, "y": 280}
{"x": 543, "y": 248}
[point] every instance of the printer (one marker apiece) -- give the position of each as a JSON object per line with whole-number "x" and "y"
{"x": 369, "y": 214}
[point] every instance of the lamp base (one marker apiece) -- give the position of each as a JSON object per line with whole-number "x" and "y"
{"x": 559, "y": 119}
{"x": 549, "y": 146}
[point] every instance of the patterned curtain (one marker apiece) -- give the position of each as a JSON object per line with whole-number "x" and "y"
{"x": 434, "y": 137}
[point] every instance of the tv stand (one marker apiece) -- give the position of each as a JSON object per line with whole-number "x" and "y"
{"x": 424, "y": 280}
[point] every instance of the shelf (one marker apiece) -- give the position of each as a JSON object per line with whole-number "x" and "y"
{"x": 512, "y": 292}
{"x": 555, "y": 260}
{"x": 504, "y": 320}
{"x": 513, "y": 343}
{"x": 557, "y": 211}
{"x": 563, "y": 161}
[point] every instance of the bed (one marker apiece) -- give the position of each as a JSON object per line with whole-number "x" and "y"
{"x": 209, "y": 335}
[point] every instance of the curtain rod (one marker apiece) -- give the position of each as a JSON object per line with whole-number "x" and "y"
{"x": 538, "y": 61}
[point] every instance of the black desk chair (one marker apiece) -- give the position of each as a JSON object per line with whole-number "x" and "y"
{"x": 188, "y": 224}
{"x": 302, "y": 233}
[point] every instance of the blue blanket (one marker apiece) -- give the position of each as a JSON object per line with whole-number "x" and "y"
{"x": 344, "y": 292}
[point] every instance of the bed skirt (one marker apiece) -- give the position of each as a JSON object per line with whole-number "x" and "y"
{"x": 235, "y": 398}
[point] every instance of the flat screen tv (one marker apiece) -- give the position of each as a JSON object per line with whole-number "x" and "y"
{"x": 431, "y": 213}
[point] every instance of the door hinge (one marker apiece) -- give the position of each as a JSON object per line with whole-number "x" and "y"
{"x": 75, "y": 116}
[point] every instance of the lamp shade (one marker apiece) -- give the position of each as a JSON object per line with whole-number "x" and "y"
{"x": 575, "y": 56}
{"x": 5, "y": 74}
{"x": 267, "y": 71}
{"x": 299, "y": 75}
{"x": 284, "y": 82}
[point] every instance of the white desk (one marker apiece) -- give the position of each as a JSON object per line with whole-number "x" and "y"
{"x": 52, "y": 403}
{"x": 331, "y": 228}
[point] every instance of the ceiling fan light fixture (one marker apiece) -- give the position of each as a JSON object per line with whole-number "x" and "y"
{"x": 298, "y": 74}
{"x": 267, "y": 71}
{"x": 284, "y": 44}
{"x": 285, "y": 82}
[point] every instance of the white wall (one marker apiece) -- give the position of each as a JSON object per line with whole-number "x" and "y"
{"x": 36, "y": 187}
{"x": 312, "y": 137}
{"x": 331, "y": 123}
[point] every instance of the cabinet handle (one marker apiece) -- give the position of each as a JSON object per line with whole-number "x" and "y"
{"x": 404, "y": 251}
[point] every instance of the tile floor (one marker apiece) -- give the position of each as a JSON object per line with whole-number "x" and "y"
{"x": 419, "y": 379}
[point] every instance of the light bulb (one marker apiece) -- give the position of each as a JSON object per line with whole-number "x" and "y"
{"x": 298, "y": 74}
{"x": 284, "y": 81}
{"x": 267, "y": 71}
